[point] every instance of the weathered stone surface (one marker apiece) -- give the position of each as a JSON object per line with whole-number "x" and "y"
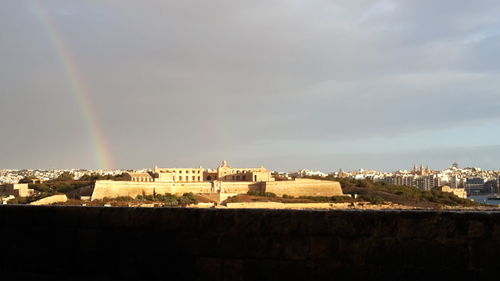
{"x": 323, "y": 247}
{"x": 233, "y": 270}
{"x": 476, "y": 229}
{"x": 188, "y": 244}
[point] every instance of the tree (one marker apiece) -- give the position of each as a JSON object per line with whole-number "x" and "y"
{"x": 66, "y": 176}
{"x": 27, "y": 179}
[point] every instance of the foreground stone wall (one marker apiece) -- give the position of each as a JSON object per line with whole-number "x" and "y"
{"x": 79, "y": 243}
{"x": 304, "y": 187}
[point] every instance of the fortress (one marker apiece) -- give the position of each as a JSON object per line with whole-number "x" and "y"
{"x": 225, "y": 180}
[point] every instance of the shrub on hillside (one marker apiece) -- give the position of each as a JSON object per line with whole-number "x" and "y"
{"x": 328, "y": 199}
{"x": 264, "y": 194}
{"x": 373, "y": 199}
{"x": 124, "y": 198}
{"x": 187, "y": 199}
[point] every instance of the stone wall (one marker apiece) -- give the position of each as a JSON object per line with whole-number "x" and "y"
{"x": 17, "y": 190}
{"x": 299, "y": 187}
{"x": 194, "y": 187}
{"x": 218, "y": 197}
{"x": 83, "y": 243}
{"x": 241, "y": 187}
{"x": 113, "y": 189}
{"x": 58, "y": 198}
{"x": 304, "y": 187}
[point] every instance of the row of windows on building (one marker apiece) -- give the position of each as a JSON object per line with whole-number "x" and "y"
{"x": 188, "y": 178}
{"x": 143, "y": 179}
{"x": 181, "y": 171}
{"x": 194, "y": 178}
{"x": 198, "y": 178}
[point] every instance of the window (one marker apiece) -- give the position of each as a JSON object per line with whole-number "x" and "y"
{"x": 193, "y": 177}
{"x": 199, "y": 178}
{"x": 180, "y": 178}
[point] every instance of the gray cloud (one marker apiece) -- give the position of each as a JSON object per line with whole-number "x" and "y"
{"x": 190, "y": 82}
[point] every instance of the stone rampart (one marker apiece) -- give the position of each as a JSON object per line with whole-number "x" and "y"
{"x": 304, "y": 187}
{"x": 241, "y": 187}
{"x": 113, "y": 189}
{"x": 85, "y": 243}
{"x": 194, "y": 187}
{"x": 218, "y": 197}
{"x": 299, "y": 187}
{"x": 58, "y": 198}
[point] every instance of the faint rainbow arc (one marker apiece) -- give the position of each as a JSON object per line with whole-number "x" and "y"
{"x": 78, "y": 87}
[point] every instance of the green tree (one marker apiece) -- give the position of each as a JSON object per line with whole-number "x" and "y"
{"x": 66, "y": 176}
{"x": 27, "y": 179}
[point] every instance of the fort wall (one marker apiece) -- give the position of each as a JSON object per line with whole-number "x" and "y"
{"x": 299, "y": 187}
{"x": 304, "y": 187}
{"x": 194, "y": 187}
{"x": 113, "y": 189}
{"x": 241, "y": 187}
{"x": 58, "y": 198}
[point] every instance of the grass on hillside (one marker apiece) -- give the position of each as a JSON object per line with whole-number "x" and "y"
{"x": 400, "y": 194}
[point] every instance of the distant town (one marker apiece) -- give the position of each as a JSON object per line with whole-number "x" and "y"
{"x": 474, "y": 180}
{"x": 228, "y": 186}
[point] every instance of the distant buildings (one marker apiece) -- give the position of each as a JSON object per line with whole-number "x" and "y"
{"x": 460, "y": 192}
{"x": 309, "y": 173}
{"x": 14, "y": 176}
{"x": 472, "y": 179}
{"x": 426, "y": 183}
{"x": 187, "y": 175}
{"x": 10, "y": 191}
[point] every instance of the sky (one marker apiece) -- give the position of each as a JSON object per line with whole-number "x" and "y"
{"x": 286, "y": 84}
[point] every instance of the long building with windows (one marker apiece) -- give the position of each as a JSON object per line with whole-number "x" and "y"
{"x": 223, "y": 173}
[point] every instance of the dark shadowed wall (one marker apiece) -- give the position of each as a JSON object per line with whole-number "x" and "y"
{"x": 80, "y": 243}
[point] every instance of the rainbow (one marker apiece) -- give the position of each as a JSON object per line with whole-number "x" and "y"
{"x": 77, "y": 85}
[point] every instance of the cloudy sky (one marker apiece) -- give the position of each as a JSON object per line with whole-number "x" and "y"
{"x": 285, "y": 84}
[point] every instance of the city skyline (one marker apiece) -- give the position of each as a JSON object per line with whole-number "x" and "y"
{"x": 288, "y": 84}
